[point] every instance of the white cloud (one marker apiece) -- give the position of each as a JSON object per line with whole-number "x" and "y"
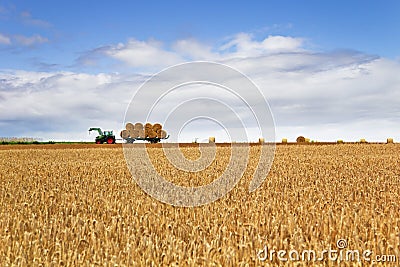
{"x": 30, "y": 40}
{"x": 4, "y": 39}
{"x": 154, "y": 54}
{"x": 22, "y": 40}
{"x": 244, "y": 45}
{"x": 281, "y": 43}
{"x": 143, "y": 54}
{"x": 56, "y": 104}
{"x": 322, "y": 95}
{"x": 192, "y": 49}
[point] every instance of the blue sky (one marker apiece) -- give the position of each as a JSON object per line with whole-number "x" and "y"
{"x": 48, "y": 47}
{"x": 71, "y": 28}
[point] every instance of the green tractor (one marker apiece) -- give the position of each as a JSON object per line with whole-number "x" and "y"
{"x": 104, "y": 137}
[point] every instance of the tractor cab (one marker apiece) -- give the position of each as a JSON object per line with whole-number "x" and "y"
{"x": 108, "y": 133}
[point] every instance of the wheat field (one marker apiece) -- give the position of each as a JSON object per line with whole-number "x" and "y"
{"x": 79, "y": 206}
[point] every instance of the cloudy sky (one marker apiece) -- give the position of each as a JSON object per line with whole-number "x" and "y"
{"x": 329, "y": 70}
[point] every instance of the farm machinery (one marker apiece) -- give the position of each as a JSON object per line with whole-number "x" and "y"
{"x": 153, "y": 140}
{"x": 139, "y": 132}
{"x": 104, "y": 137}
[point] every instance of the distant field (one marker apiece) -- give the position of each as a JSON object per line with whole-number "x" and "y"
{"x": 77, "y": 204}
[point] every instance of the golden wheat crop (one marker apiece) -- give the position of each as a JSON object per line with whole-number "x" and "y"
{"x": 81, "y": 207}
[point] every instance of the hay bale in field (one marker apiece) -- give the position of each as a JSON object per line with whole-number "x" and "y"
{"x": 340, "y": 141}
{"x": 363, "y": 141}
{"x": 138, "y": 126}
{"x": 301, "y": 139}
{"x": 129, "y": 126}
{"x": 148, "y": 131}
{"x": 261, "y": 140}
{"x": 211, "y": 139}
{"x": 161, "y": 134}
{"x": 157, "y": 127}
{"x": 141, "y": 134}
{"x": 124, "y": 134}
{"x": 284, "y": 140}
{"x": 307, "y": 140}
{"x": 133, "y": 133}
{"x": 152, "y": 134}
{"x": 389, "y": 141}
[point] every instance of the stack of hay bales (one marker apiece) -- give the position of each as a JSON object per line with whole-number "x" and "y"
{"x": 132, "y": 132}
{"x": 157, "y": 128}
{"x": 389, "y": 141}
{"x": 301, "y": 139}
{"x": 261, "y": 140}
{"x": 138, "y": 130}
{"x": 124, "y": 134}
{"x": 149, "y": 131}
{"x": 284, "y": 140}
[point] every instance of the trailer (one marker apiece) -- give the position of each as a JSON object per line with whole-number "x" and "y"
{"x": 154, "y": 140}
{"x": 139, "y": 132}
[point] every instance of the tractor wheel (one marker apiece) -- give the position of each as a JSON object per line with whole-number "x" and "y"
{"x": 110, "y": 140}
{"x": 98, "y": 142}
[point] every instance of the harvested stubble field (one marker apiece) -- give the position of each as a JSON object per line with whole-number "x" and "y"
{"x": 79, "y": 206}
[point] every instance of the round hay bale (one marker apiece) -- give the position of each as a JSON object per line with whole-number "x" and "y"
{"x": 363, "y": 141}
{"x": 129, "y": 126}
{"x": 157, "y": 127}
{"x": 147, "y": 131}
{"x": 284, "y": 140}
{"x": 134, "y": 133}
{"x": 261, "y": 140}
{"x": 161, "y": 134}
{"x": 141, "y": 134}
{"x": 389, "y": 141}
{"x": 211, "y": 139}
{"x": 301, "y": 139}
{"x": 148, "y": 126}
{"x": 124, "y": 134}
{"x": 138, "y": 126}
{"x": 152, "y": 134}
{"x": 340, "y": 141}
